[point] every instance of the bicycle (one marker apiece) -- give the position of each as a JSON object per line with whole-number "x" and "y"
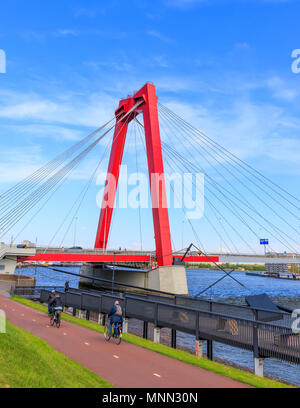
{"x": 56, "y": 319}
{"x": 117, "y": 331}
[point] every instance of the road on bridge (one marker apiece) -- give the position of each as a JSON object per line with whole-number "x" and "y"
{"x": 124, "y": 366}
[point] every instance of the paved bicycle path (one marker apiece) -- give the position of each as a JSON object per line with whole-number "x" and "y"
{"x": 124, "y": 366}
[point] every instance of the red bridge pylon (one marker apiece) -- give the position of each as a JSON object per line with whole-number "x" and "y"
{"x": 148, "y": 107}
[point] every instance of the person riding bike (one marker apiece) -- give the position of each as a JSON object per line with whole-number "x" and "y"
{"x": 50, "y": 298}
{"x": 116, "y": 315}
{"x": 67, "y": 286}
{"x": 56, "y": 304}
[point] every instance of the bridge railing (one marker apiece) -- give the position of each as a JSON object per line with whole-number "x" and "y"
{"x": 264, "y": 339}
{"x": 281, "y": 317}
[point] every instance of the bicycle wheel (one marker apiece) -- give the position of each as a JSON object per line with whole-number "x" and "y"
{"x": 117, "y": 338}
{"x": 58, "y": 321}
{"x": 52, "y": 320}
{"x": 107, "y": 335}
{"x": 117, "y": 335}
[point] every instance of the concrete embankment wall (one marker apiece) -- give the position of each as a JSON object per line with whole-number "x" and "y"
{"x": 7, "y": 282}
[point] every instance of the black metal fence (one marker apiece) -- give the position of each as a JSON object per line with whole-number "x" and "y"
{"x": 238, "y": 326}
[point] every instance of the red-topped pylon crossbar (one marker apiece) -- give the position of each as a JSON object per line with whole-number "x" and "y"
{"x": 148, "y": 107}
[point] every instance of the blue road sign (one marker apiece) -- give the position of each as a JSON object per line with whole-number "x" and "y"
{"x": 264, "y": 242}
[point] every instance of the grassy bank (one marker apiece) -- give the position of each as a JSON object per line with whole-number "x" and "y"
{"x": 230, "y": 372}
{"x": 29, "y": 362}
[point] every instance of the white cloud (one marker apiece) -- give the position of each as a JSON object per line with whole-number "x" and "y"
{"x": 158, "y": 35}
{"x": 248, "y": 130}
{"x": 65, "y": 32}
{"x": 75, "y": 110}
{"x": 281, "y": 90}
{"x": 19, "y": 162}
{"x": 183, "y": 3}
{"x": 58, "y": 133}
{"x": 178, "y": 84}
{"x": 86, "y": 12}
{"x": 115, "y": 65}
{"x": 160, "y": 61}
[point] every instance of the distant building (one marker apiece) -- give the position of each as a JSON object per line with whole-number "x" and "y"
{"x": 276, "y": 268}
{"x": 28, "y": 244}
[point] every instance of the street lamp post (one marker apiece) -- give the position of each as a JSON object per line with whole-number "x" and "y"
{"x": 75, "y": 225}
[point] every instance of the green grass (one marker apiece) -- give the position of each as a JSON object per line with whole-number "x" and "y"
{"x": 29, "y": 362}
{"x": 230, "y": 372}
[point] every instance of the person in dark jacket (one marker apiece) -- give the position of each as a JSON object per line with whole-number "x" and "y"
{"x": 67, "y": 286}
{"x": 56, "y": 304}
{"x": 116, "y": 315}
{"x": 50, "y": 298}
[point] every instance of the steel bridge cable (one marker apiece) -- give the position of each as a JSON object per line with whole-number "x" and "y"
{"x": 206, "y": 217}
{"x": 92, "y": 134}
{"x": 211, "y": 205}
{"x": 254, "y": 210}
{"x": 223, "y": 270}
{"x": 139, "y": 127}
{"x": 244, "y": 185}
{"x": 188, "y": 169}
{"x": 39, "y": 210}
{"x": 44, "y": 189}
{"x": 47, "y": 186}
{"x": 137, "y": 171}
{"x": 217, "y": 152}
{"x": 196, "y": 235}
{"x": 245, "y": 166}
{"x": 215, "y": 210}
{"x": 124, "y": 154}
{"x": 268, "y": 222}
{"x": 226, "y": 274}
{"x": 21, "y": 209}
{"x": 204, "y": 252}
{"x": 127, "y": 119}
{"x": 212, "y": 182}
{"x": 184, "y": 160}
{"x": 250, "y": 208}
{"x": 142, "y": 138}
{"x": 84, "y": 192}
{"x": 23, "y": 187}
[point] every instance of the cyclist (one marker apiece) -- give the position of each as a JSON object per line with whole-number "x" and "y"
{"x": 56, "y": 304}
{"x": 50, "y": 298}
{"x": 67, "y": 286}
{"x": 116, "y": 315}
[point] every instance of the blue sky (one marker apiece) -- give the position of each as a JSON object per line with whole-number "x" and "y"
{"x": 224, "y": 65}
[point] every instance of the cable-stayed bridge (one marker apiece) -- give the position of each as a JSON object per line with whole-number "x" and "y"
{"x": 240, "y": 205}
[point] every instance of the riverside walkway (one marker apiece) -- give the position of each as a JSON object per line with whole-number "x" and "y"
{"x": 124, "y": 366}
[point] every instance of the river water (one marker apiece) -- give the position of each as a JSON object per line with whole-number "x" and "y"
{"x": 281, "y": 291}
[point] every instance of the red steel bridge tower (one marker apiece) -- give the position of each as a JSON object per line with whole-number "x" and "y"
{"x": 144, "y": 101}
